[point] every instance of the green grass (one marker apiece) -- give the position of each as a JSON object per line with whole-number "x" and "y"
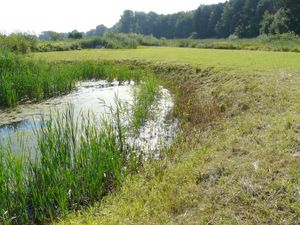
{"x": 237, "y": 161}
{"x": 18, "y": 42}
{"x": 24, "y": 79}
{"x": 144, "y": 97}
{"x": 202, "y": 58}
{"x": 68, "y": 171}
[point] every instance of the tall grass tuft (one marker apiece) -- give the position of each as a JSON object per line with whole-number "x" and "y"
{"x": 76, "y": 161}
{"x": 25, "y": 79}
{"x": 144, "y": 97}
{"x": 75, "y": 164}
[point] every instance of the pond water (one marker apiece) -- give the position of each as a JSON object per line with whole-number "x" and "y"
{"x": 95, "y": 97}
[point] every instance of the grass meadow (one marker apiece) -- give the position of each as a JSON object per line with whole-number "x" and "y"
{"x": 237, "y": 161}
{"x": 203, "y": 58}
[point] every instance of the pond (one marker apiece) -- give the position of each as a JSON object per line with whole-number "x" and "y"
{"x": 18, "y": 124}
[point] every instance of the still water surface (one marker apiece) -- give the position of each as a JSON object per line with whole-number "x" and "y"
{"x": 95, "y": 97}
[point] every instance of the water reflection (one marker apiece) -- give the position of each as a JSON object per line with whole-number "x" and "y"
{"x": 92, "y": 96}
{"x": 86, "y": 97}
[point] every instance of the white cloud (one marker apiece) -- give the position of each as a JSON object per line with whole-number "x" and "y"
{"x": 66, "y": 15}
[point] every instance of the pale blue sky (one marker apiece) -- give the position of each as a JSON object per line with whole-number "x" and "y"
{"x": 83, "y": 15}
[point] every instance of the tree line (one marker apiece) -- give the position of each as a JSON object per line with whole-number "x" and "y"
{"x": 75, "y": 34}
{"x": 241, "y": 18}
{"x": 237, "y": 18}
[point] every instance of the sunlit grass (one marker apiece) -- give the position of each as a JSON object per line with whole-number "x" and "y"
{"x": 237, "y": 162}
{"x": 239, "y": 60}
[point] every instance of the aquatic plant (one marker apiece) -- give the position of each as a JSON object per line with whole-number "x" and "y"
{"x": 144, "y": 97}
{"x": 25, "y": 79}
{"x": 70, "y": 169}
{"x": 76, "y": 161}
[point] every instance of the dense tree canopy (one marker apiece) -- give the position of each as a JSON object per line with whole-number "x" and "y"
{"x": 98, "y": 31}
{"x": 243, "y": 18}
{"x": 75, "y": 34}
{"x": 52, "y": 35}
{"x": 240, "y": 18}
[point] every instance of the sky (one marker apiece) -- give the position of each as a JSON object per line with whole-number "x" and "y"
{"x": 35, "y": 16}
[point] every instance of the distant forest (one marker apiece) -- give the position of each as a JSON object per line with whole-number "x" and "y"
{"x": 239, "y": 18}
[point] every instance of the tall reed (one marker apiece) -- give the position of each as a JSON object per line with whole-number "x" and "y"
{"x": 25, "y": 79}
{"x": 76, "y": 161}
{"x": 75, "y": 164}
{"x": 145, "y": 96}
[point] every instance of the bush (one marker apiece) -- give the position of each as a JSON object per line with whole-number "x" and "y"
{"x": 18, "y": 42}
{"x": 233, "y": 37}
{"x": 194, "y": 35}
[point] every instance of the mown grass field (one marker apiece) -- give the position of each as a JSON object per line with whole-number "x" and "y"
{"x": 237, "y": 161}
{"x": 229, "y": 59}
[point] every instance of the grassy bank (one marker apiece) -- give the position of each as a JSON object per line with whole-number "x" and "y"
{"x": 237, "y": 162}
